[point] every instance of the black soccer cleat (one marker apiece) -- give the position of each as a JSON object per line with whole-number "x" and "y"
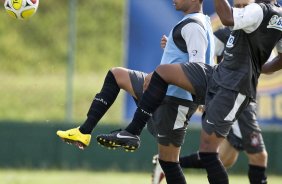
{"x": 119, "y": 138}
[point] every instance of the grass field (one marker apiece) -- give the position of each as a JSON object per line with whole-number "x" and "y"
{"x": 107, "y": 177}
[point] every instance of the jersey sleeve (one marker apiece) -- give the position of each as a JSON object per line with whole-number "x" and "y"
{"x": 248, "y": 18}
{"x": 196, "y": 42}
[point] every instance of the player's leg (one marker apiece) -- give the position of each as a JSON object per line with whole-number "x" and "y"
{"x": 169, "y": 162}
{"x": 155, "y": 93}
{"x": 182, "y": 75}
{"x": 253, "y": 144}
{"x": 231, "y": 146}
{"x": 136, "y": 79}
{"x": 222, "y": 108}
{"x": 227, "y": 154}
{"x": 168, "y": 125}
{"x": 257, "y": 167}
{"x": 116, "y": 79}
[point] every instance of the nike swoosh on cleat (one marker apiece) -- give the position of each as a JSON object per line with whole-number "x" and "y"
{"x": 71, "y": 134}
{"x": 159, "y": 135}
{"x": 125, "y": 136}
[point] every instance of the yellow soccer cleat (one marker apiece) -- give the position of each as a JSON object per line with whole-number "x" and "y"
{"x": 75, "y": 137}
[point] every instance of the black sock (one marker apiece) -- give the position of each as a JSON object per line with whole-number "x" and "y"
{"x": 150, "y": 101}
{"x": 173, "y": 172}
{"x": 191, "y": 161}
{"x": 101, "y": 103}
{"x": 257, "y": 175}
{"x": 216, "y": 171}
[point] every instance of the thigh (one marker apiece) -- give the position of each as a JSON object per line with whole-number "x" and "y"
{"x": 174, "y": 74}
{"x": 170, "y": 120}
{"x": 199, "y": 75}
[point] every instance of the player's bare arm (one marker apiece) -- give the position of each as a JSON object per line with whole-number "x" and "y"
{"x": 273, "y": 65}
{"x": 224, "y": 11}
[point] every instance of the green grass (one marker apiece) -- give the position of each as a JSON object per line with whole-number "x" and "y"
{"x": 107, "y": 177}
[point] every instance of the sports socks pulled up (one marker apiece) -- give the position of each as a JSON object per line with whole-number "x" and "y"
{"x": 216, "y": 172}
{"x": 173, "y": 172}
{"x": 101, "y": 103}
{"x": 151, "y": 100}
{"x": 257, "y": 175}
{"x": 191, "y": 161}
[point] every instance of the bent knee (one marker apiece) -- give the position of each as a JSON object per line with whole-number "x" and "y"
{"x": 228, "y": 163}
{"x": 116, "y": 71}
{"x": 121, "y": 75}
{"x": 259, "y": 159}
{"x": 169, "y": 153}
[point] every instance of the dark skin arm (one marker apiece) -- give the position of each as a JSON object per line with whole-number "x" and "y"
{"x": 224, "y": 11}
{"x": 273, "y": 65}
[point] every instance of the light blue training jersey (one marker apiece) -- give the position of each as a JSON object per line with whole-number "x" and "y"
{"x": 172, "y": 54}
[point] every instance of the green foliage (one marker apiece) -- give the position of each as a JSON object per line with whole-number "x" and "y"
{"x": 39, "y": 45}
{"x": 34, "y": 56}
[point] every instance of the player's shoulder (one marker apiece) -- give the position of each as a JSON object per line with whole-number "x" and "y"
{"x": 251, "y": 9}
{"x": 194, "y": 25}
{"x": 268, "y": 7}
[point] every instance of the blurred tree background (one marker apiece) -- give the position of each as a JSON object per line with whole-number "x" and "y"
{"x": 34, "y": 56}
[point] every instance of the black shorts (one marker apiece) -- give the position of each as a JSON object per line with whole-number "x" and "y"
{"x": 246, "y": 133}
{"x": 169, "y": 122}
{"x": 222, "y": 106}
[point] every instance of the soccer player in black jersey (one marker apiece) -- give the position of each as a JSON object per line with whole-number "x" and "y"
{"x": 226, "y": 89}
{"x": 245, "y": 134}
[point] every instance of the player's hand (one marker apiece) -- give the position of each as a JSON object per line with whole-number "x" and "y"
{"x": 147, "y": 81}
{"x": 163, "y": 41}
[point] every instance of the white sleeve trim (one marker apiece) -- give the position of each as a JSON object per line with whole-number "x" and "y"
{"x": 196, "y": 41}
{"x": 248, "y": 18}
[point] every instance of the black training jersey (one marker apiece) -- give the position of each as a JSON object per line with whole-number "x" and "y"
{"x": 248, "y": 49}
